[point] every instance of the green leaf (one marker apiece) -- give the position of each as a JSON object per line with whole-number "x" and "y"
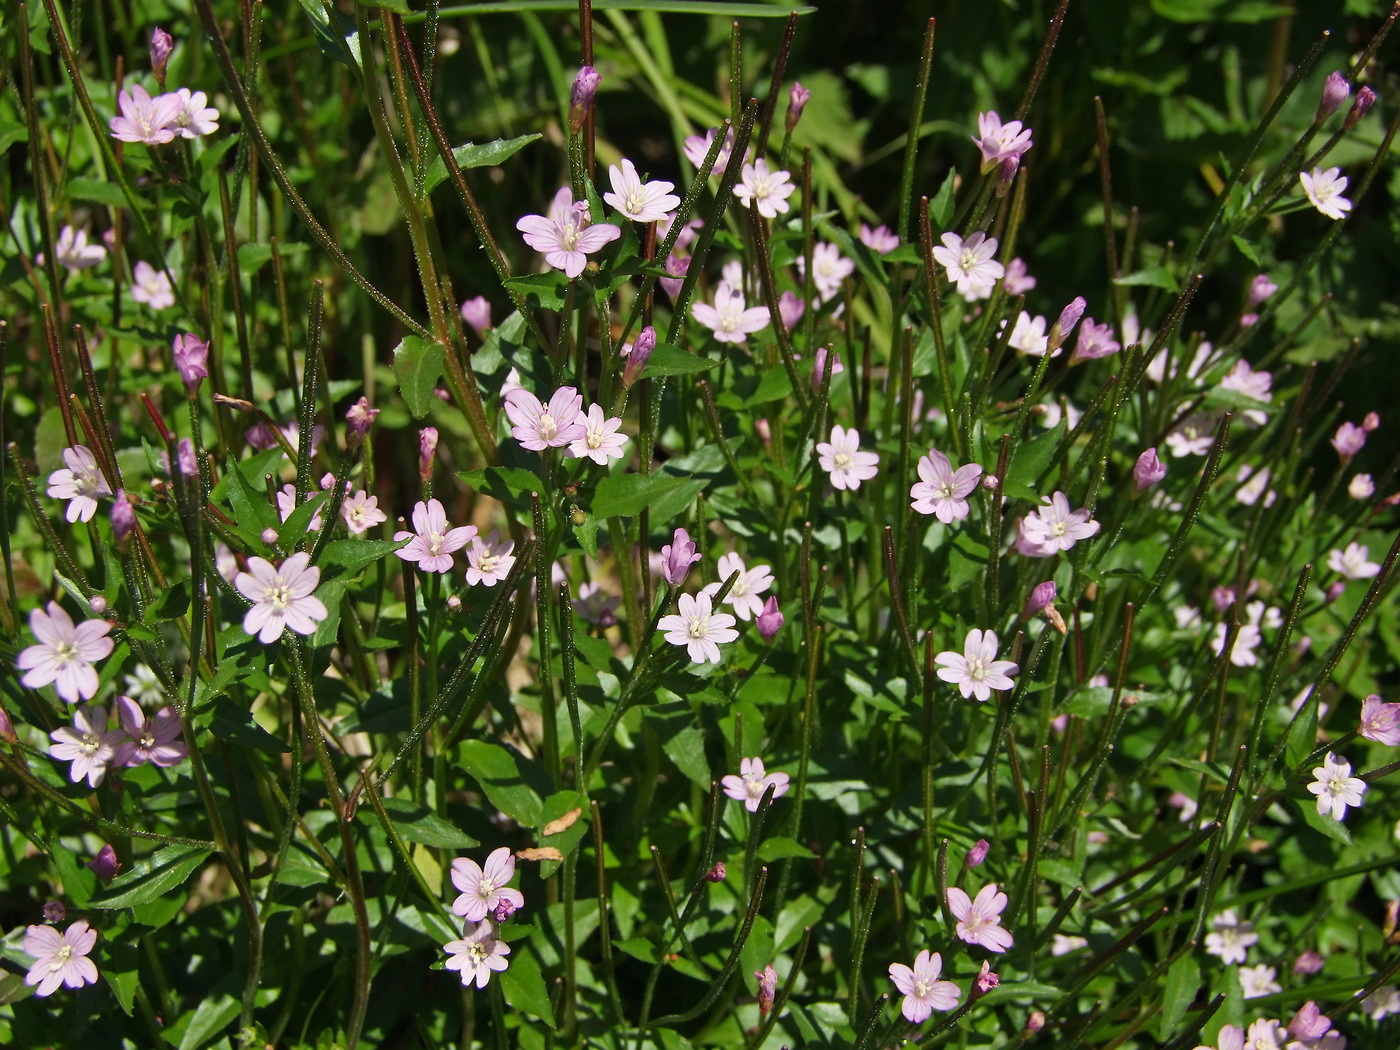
{"x": 1333, "y": 829}
{"x": 418, "y": 824}
{"x": 524, "y": 987}
{"x": 417, "y": 365}
{"x": 586, "y": 532}
{"x": 98, "y": 190}
{"x": 668, "y": 360}
{"x": 508, "y": 779}
{"x": 152, "y": 877}
{"x": 1155, "y": 277}
{"x": 11, "y": 132}
{"x": 211, "y": 1016}
{"x": 774, "y": 386}
{"x": 1248, "y": 250}
{"x": 399, "y": 7}
{"x": 1183, "y": 978}
{"x": 79, "y": 881}
{"x": 333, "y": 39}
{"x": 298, "y": 522}
{"x": 487, "y": 155}
{"x": 684, "y": 743}
{"x": 624, "y": 495}
{"x": 1031, "y": 460}
{"x": 940, "y": 209}
{"x": 121, "y": 969}
{"x": 254, "y": 255}
{"x": 509, "y": 485}
{"x": 227, "y": 721}
{"x": 354, "y": 555}
{"x": 544, "y": 291}
{"x": 779, "y": 847}
{"x": 966, "y": 558}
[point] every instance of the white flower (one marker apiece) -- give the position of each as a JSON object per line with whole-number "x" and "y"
{"x": 282, "y": 597}
{"x": 431, "y": 543}
{"x": 1353, "y": 562}
{"x": 65, "y": 653}
{"x": 1054, "y": 527}
{"x": 727, "y": 318}
{"x": 941, "y": 490}
{"x": 60, "y": 958}
{"x": 842, "y": 459}
{"x": 1335, "y": 787}
{"x": 361, "y": 512}
{"x": 489, "y": 560}
{"x": 600, "y": 440}
{"x": 1383, "y": 1002}
{"x": 1258, "y": 981}
{"x": 748, "y": 787}
{"x": 829, "y": 269}
{"x": 743, "y": 597}
{"x": 1246, "y": 639}
{"x": 1324, "y": 190}
{"x": 1194, "y": 437}
{"x": 976, "y": 671}
{"x": 151, "y": 286}
{"x": 81, "y": 482}
{"x": 89, "y": 745}
{"x": 638, "y": 200}
{"x": 194, "y": 118}
{"x": 477, "y": 954}
{"x": 765, "y": 190}
{"x": 1230, "y": 938}
{"x": 969, "y": 262}
{"x": 143, "y": 686}
{"x": 699, "y": 628}
{"x": 1064, "y": 944}
{"x": 1362, "y": 486}
{"x": 73, "y": 251}
{"x": 1028, "y": 336}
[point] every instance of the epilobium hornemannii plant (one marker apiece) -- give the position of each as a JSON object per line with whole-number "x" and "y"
{"x": 552, "y": 555}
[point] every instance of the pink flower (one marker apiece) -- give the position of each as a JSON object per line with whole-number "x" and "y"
{"x": 1349, "y": 440}
{"x": 360, "y": 418}
{"x": 978, "y": 919}
{"x": 489, "y": 560}
{"x": 1000, "y": 141}
{"x": 155, "y": 740}
{"x": 842, "y": 459}
{"x": 751, "y": 783}
{"x": 699, "y": 628}
{"x": 985, "y": 981}
{"x": 64, "y": 654}
{"x": 1260, "y": 289}
{"x": 483, "y": 888}
{"x": 743, "y": 597}
{"x": 770, "y": 620}
{"x": 1028, "y": 336}
{"x": 1335, "y": 91}
{"x": 151, "y": 286}
{"x": 1095, "y": 341}
{"x": 89, "y": 745}
{"x": 727, "y": 318}
{"x": 977, "y": 854}
{"x": 565, "y": 237}
{"x": 431, "y": 543}
{"x": 1230, "y": 1037}
{"x": 1230, "y": 939}
{"x": 764, "y": 190}
{"x": 638, "y": 200}
{"x": 1335, "y": 787}
{"x": 969, "y": 263}
{"x": 1042, "y": 595}
{"x": 82, "y": 483}
{"x": 477, "y": 954}
{"x": 976, "y": 671}
{"x": 595, "y": 605}
{"x": 162, "y": 43}
{"x": 282, "y": 596}
{"x": 287, "y": 503}
{"x": 1017, "y": 281}
{"x": 1354, "y": 562}
{"x": 797, "y": 102}
{"x": 880, "y": 240}
{"x": 943, "y": 491}
{"x": 193, "y": 117}
{"x": 60, "y": 958}
{"x": 829, "y": 269}
{"x": 1148, "y": 470}
{"x": 361, "y": 512}
{"x": 73, "y": 251}
{"x": 767, "y": 989}
{"x": 538, "y": 426}
{"x": 922, "y": 990}
{"x": 145, "y": 119}
{"x": 1324, "y": 191}
{"x": 676, "y": 266}
{"x": 600, "y": 440}
{"x": 677, "y": 557}
{"x": 819, "y": 366}
{"x": 1054, "y": 527}
{"x": 1380, "y": 721}
{"x": 191, "y": 360}
{"x": 476, "y": 312}
{"x": 697, "y": 149}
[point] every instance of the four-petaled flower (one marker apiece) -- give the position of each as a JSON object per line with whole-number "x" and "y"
{"x": 969, "y": 262}
{"x": 976, "y": 671}
{"x": 282, "y": 597}
{"x": 638, "y": 200}
{"x": 1230, "y": 939}
{"x": 1054, "y": 527}
{"x": 64, "y": 654}
{"x": 697, "y": 149}
{"x": 979, "y": 920}
{"x": 1000, "y": 141}
{"x": 478, "y": 953}
{"x": 81, "y": 483}
{"x": 483, "y": 888}
{"x": 431, "y": 543}
{"x": 538, "y": 426}
{"x": 1324, "y": 191}
{"x": 60, "y": 958}
{"x": 489, "y": 560}
{"x": 1335, "y": 787}
{"x": 565, "y": 236}
{"x": 751, "y": 783}
{"x": 600, "y": 440}
{"x": 727, "y": 318}
{"x": 1380, "y": 721}
{"x": 88, "y": 744}
{"x": 155, "y": 740}
{"x": 922, "y": 990}
{"x": 943, "y": 491}
{"x": 842, "y": 458}
{"x": 765, "y": 190}
{"x": 1028, "y": 336}
{"x": 699, "y": 628}
{"x": 743, "y": 597}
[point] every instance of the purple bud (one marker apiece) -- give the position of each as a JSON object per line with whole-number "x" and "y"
{"x": 1248, "y": 320}
{"x": 990, "y": 482}
{"x": 189, "y": 465}
{"x": 1335, "y": 91}
{"x": 1309, "y": 962}
{"x": 54, "y": 911}
{"x": 638, "y": 358}
{"x": 977, "y": 854}
{"x": 504, "y": 910}
{"x": 1007, "y": 174}
{"x": 1336, "y": 591}
{"x": 581, "y": 100}
{"x": 790, "y": 309}
{"x": 1069, "y": 317}
{"x": 1041, "y": 595}
{"x": 1365, "y": 99}
{"x": 123, "y": 519}
{"x": 770, "y": 619}
{"x": 105, "y": 864}
{"x": 1260, "y": 289}
{"x": 764, "y": 430}
{"x": 819, "y": 366}
{"x": 1309, "y": 1022}
{"x": 984, "y": 982}
{"x": 717, "y": 873}
{"x": 767, "y": 989}
{"x": 1035, "y": 1022}
{"x": 677, "y": 557}
{"x": 1371, "y": 422}
{"x": 1349, "y": 440}
{"x": 191, "y": 360}
{"x": 161, "y": 45}
{"x": 477, "y": 313}
{"x": 269, "y": 537}
{"x": 260, "y": 437}
{"x": 1148, "y": 470}
{"x": 360, "y": 417}
{"x": 427, "y": 449}
{"x": 7, "y": 728}
{"x": 797, "y": 102}
{"x": 98, "y": 604}
{"x": 1222, "y": 598}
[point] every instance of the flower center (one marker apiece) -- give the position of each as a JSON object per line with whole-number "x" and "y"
{"x": 65, "y": 653}
{"x": 478, "y": 952}
{"x": 61, "y": 959}
{"x": 945, "y": 490}
{"x": 699, "y": 627}
{"x": 147, "y": 740}
{"x": 547, "y": 428}
{"x": 488, "y": 565}
{"x": 922, "y": 988}
{"x": 976, "y": 668}
{"x": 843, "y": 460}
{"x": 90, "y": 745}
{"x": 485, "y": 888}
{"x": 279, "y": 596}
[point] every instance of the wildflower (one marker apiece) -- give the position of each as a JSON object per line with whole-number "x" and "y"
{"x": 1309, "y": 1022}
{"x": 638, "y": 200}
{"x": 770, "y": 620}
{"x": 361, "y": 512}
{"x": 161, "y": 45}
{"x": 727, "y": 318}
{"x": 565, "y": 236}
{"x": 880, "y": 240}
{"x": 105, "y": 865}
{"x": 64, "y": 654}
{"x": 538, "y": 426}
{"x": 1380, "y": 721}
{"x": 81, "y": 483}
{"x": 984, "y": 982}
{"x": 752, "y": 782}
{"x": 969, "y": 263}
{"x": 185, "y": 458}
{"x": 155, "y": 740}
{"x": 765, "y": 190}
{"x": 1064, "y": 324}
{"x": 1349, "y": 440}
{"x": 1265, "y": 1034}
{"x": 60, "y": 958}
{"x": 145, "y": 119}
{"x": 1353, "y": 562}
{"x": 1361, "y": 487}
{"x": 1308, "y": 962}
{"x": 842, "y": 459}
{"x": 979, "y": 919}
{"x": 489, "y": 560}
{"x": 767, "y": 989}
{"x": 1247, "y": 638}
{"x": 976, "y": 671}
{"x": 143, "y": 686}
{"x": 55, "y": 911}
{"x": 1064, "y": 944}
{"x": 581, "y": 97}
{"x": 1095, "y": 341}
{"x": 922, "y": 990}
{"x": 1230, "y": 939}
{"x": 151, "y": 286}
{"x": 699, "y": 628}
{"x": 1230, "y": 1037}
{"x": 1324, "y": 191}
{"x": 1042, "y": 596}
{"x": 797, "y": 102}
{"x": 191, "y": 360}
{"x": 697, "y": 149}
{"x": 677, "y": 557}
{"x": 1028, "y": 336}
{"x": 717, "y": 872}
{"x": 484, "y": 887}
{"x": 1194, "y": 437}
{"x": 676, "y": 266}
{"x": 1365, "y": 99}
{"x": 431, "y": 543}
{"x": 1000, "y": 141}
{"x": 282, "y": 596}
{"x": 193, "y": 118}
{"x": 1054, "y": 527}
{"x": 1260, "y": 289}
{"x": 1017, "y": 281}
{"x": 287, "y": 503}
{"x": 360, "y": 417}
{"x": 819, "y": 367}
{"x": 1242, "y": 379}
{"x": 600, "y": 440}
{"x": 1335, "y": 90}
{"x": 595, "y": 606}
{"x": 977, "y": 854}
{"x": 744, "y": 595}
{"x": 1148, "y": 470}
{"x": 1257, "y": 981}
{"x": 941, "y": 490}
{"x": 1383, "y": 1002}
{"x": 637, "y": 358}
{"x": 89, "y": 745}
{"x": 476, "y": 313}
{"x": 477, "y": 954}
{"x": 790, "y": 309}
{"x": 73, "y": 251}
{"x": 1335, "y": 787}
{"x": 829, "y": 269}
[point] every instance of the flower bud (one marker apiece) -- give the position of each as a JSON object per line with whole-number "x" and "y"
{"x": 98, "y": 604}
{"x": 105, "y": 864}
{"x": 454, "y": 604}
{"x": 1307, "y": 963}
{"x": 1335, "y": 91}
{"x": 476, "y": 312}
{"x": 191, "y": 360}
{"x": 360, "y": 417}
{"x": 123, "y": 520}
{"x": 1392, "y": 915}
{"x": 1362, "y": 486}
{"x": 1222, "y": 598}
{"x": 1035, "y": 1022}
{"x": 638, "y": 358}
{"x": 764, "y": 430}
{"x": 716, "y": 873}
{"x": 1349, "y": 440}
{"x": 7, "y": 728}
{"x": 184, "y": 454}
{"x": 1248, "y": 320}
{"x": 1007, "y": 174}
{"x": 161, "y": 45}
{"x": 767, "y": 989}
{"x": 977, "y": 854}
{"x": 1069, "y": 317}
{"x": 54, "y": 911}
{"x": 797, "y": 102}
{"x": 427, "y": 449}
{"x": 581, "y": 100}
{"x": 1042, "y": 595}
{"x": 990, "y": 482}
{"x": 505, "y": 908}
{"x": 819, "y": 367}
{"x": 1336, "y": 591}
{"x": 790, "y": 309}
{"x": 1260, "y": 289}
{"x": 1309, "y": 1022}
{"x": 984, "y": 982}
{"x": 770, "y": 619}
{"x": 1371, "y": 422}
{"x": 270, "y": 537}
{"x": 1365, "y": 99}
{"x": 677, "y": 557}
{"x": 1148, "y": 470}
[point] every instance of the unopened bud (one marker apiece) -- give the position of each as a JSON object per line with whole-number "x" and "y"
{"x": 505, "y": 908}
{"x": 1335, "y": 91}
{"x": 1056, "y": 620}
{"x": 1307, "y": 963}
{"x": 1042, "y": 595}
{"x": 797, "y": 102}
{"x": 1335, "y": 591}
{"x": 984, "y": 982}
{"x": 427, "y": 449}
{"x": 184, "y": 454}
{"x": 717, "y": 873}
{"x": 638, "y": 358}
{"x": 1392, "y": 915}
{"x": 977, "y": 854}
{"x": 1148, "y": 470}
{"x": 7, "y": 728}
{"x": 161, "y": 45}
{"x": 105, "y": 864}
{"x": 765, "y": 432}
{"x": 98, "y": 604}
{"x": 1260, "y": 289}
{"x": 770, "y": 619}
{"x": 269, "y": 537}
{"x": 1370, "y": 422}
{"x": 1365, "y": 99}
{"x": 581, "y": 99}
{"x": 360, "y": 417}
{"x": 1035, "y": 1022}
{"x": 1007, "y": 174}
{"x": 1069, "y": 317}
{"x": 990, "y": 482}
{"x": 55, "y": 911}
{"x": 123, "y": 520}
{"x": 191, "y": 360}
{"x": 767, "y": 989}
{"x": 454, "y": 604}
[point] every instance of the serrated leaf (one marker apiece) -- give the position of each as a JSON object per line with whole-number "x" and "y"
{"x": 470, "y": 155}
{"x": 667, "y": 360}
{"x": 417, "y": 366}
{"x": 152, "y": 877}
{"x": 418, "y": 824}
{"x": 624, "y": 495}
